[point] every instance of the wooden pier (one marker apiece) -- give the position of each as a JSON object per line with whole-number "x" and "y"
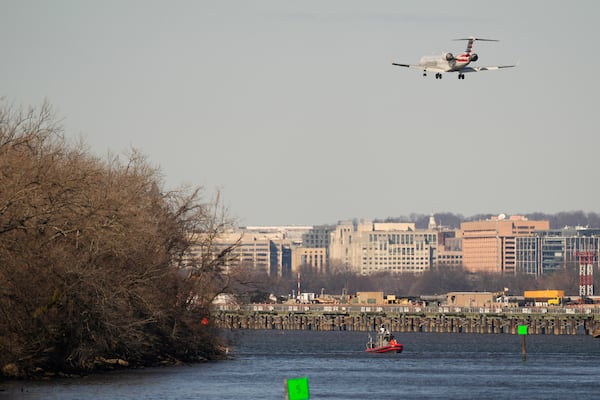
{"x": 408, "y": 319}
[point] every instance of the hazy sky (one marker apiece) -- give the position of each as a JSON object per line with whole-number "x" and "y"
{"x": 293, "y": 109}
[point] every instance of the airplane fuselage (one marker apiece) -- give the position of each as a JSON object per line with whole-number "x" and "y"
{"x": 441, "y": 64}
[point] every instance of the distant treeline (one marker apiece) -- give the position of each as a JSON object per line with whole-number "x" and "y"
{"x": 433, "y": 282}
{"x": 557, "y": 221}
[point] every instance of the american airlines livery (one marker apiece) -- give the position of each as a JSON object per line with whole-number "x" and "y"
{"x": 447, "y": 62}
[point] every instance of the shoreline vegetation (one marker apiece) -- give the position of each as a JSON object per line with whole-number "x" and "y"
{"x": 95, "y": 258}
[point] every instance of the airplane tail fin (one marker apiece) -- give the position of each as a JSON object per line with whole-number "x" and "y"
{"x": 466, "y": 56}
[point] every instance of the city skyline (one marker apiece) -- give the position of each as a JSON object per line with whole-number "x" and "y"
{"x": 295, "y": 113}
{"x": 561, "y": 219}
{"x": 506, "y": 245}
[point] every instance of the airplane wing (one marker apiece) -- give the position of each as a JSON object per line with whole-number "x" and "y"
{"x": 406, "y": 65}
{"x": 477, "y": 69}
{"x": 420, "y": 67}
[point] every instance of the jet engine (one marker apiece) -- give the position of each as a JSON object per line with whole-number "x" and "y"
{"x": 449, "y": 56}
{"x": 474, "y": 57}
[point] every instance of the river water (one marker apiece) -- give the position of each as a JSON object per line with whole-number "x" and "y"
{"x": 432, "y": 366}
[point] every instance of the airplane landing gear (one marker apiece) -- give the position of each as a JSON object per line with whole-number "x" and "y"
{"x": 461, "y": 76}
{"x": 438, "y": 75}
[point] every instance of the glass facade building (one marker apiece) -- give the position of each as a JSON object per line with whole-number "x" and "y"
{"x": 549, "y": 250}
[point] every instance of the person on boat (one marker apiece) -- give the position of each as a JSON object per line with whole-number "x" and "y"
{"x": 386, "y": 334}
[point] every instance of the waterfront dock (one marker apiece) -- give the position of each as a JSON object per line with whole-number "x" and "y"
{"x": 441, "y": 319}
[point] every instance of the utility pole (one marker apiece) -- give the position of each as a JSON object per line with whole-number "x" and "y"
{"x": 299, "y": 299}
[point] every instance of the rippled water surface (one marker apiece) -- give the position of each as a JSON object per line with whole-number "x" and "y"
{"x": 432, "y": 366}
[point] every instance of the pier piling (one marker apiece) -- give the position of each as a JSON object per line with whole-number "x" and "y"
{"x": 406, "y": 320}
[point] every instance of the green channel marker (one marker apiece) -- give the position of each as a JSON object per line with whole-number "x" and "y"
{"x": 297, "y": 389}
{"x": 522, "y": 330}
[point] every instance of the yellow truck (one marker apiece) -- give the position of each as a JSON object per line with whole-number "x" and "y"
{"x": 556, "y": 301}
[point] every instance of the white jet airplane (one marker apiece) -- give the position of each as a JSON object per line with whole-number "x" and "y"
{"x": 448, "y": 63}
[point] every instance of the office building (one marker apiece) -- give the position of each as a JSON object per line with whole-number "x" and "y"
{"x": 313, "y": 259}
{"x": 490, "y": 246}
{"x": 550, "y": 250}
{"x": 368, "y": 247}
{"x": 263, "y": 249}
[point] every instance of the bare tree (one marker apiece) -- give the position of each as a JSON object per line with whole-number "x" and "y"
{"x": 92, "y": 255}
